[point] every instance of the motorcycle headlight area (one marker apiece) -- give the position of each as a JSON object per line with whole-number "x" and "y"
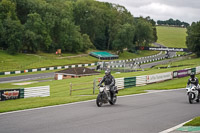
{"x": 101, "y": 89}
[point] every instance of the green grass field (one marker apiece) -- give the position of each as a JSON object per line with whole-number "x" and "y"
{"x": 128, "y": 55}
{"x": 172, "y": 36}
{"x": 28, "y": 61}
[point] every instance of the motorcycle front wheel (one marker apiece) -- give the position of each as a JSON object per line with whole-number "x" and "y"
{"x": 99, "y": 101}
{"x": 191, "y": 97}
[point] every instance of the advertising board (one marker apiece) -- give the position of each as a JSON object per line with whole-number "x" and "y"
{"x": 159, "y": 77}
{"x": 9, "y": 94}
{"x": 181, "y": 73}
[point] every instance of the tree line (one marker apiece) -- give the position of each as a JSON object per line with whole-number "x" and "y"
{"x": 71, "y": 25}
{"x": 193, "y": 38}
{"x": 172, "y": 22}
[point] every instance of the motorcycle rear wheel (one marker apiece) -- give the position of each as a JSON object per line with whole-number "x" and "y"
{"x": 99, "y": 101}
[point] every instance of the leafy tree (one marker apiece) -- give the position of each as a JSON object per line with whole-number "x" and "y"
{"x": 193, "y": 38}
{"x": 124, "y": 38}
{"x": 153, "y": 23}
{"x": 89, "y": 15}
{"x": 86, "y": 43}
{"x": 11, "y": 35}
{"x": 7, "y": 10}
{"x": 1, "y": 29}
{"x": 71, "y": 40}
{"x": 72, "y": 25}
{"x": 119, "y": 17}
{"x": 36, "y": 37}
{"x": 11, "y": 30}
{"x": 144, "y": 33}
{"x": 172, "y": 22}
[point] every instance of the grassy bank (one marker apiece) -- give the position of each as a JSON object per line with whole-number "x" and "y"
{"x": 171, "y": 36}
{"x": 143, "y": 53}
{"x": 28, "y": 61}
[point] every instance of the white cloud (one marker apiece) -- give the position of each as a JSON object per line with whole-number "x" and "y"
{"x": 184, "y": 10}
{"x": 154, "y": 8}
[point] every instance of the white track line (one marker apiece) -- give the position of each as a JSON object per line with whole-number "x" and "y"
{"x": 174, "y": 128}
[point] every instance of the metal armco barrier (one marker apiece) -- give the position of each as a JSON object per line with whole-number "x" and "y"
{"x": 129, "y": 82}
{"x": 141, "y": 80}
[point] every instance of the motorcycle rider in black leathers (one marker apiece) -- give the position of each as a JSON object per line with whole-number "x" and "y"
{"x": 193, "y": 80}
{"x": 108, "y": 79}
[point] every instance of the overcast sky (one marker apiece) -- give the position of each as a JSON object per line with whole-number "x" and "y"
{"x": 184, "y": 10}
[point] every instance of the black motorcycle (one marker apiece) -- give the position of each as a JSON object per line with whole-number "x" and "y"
{"x": 104, "y": 96}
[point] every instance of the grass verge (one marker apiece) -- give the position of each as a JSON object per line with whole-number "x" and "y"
{"x": 194, "y": 122}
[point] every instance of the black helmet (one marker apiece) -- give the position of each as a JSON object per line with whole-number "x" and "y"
{"x": 192, "y": 74}
{"x": 107, "y": 72}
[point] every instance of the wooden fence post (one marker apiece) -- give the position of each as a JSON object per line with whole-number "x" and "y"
{"x": 70, "y": 86}
{"x": 94, "y": 86}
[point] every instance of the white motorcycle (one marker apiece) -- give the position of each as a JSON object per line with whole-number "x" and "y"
{"x": 192, "y": 93}
{"x": 104, "y": 96}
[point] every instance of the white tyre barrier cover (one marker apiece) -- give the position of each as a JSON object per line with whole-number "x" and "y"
{"x": 197, "y": 69}
{"x": 119, "y": 83}
{"x": 41, "y": 91}
{"x": 141, "y": 80}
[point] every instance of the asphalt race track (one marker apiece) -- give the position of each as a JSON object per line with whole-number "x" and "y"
{"x": 26, "y": 77}
{"x": 143, "y": 113}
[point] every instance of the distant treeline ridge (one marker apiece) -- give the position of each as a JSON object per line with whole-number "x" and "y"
{"x": 172, "y": 22}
